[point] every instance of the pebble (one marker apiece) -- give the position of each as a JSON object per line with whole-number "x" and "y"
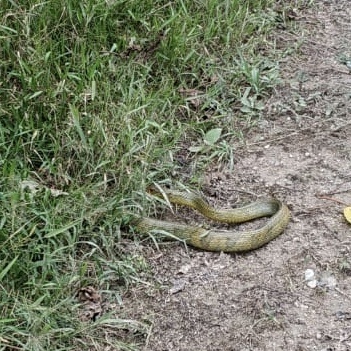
{"x": 327, "y": 280}
{"x": 312, "y": 283}
{"x": 309, "y": 274}
{"x": 310, "y": 278}
{"x": 178, "y": 285}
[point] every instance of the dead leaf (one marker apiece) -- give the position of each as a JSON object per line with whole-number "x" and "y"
{"x": 3, "y": 340}
{"x": 194, "y": 96}
{"x": 57, "y": 192}
{"x": 31, "y": 185}
{"x": 91, "y": 307}
{"x": 88, "y": 294}
{"x": 347, "y": 213}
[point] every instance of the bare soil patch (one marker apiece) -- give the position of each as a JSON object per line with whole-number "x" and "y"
{"x": 260, "y": 300}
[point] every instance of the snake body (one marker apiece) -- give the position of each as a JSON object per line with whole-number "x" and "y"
{"x": 215, "y": 239}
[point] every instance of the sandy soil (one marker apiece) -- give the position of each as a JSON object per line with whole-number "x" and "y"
{"x": 300, "y": 152}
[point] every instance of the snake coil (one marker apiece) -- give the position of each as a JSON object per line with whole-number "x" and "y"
{"x": 215, "y": 239}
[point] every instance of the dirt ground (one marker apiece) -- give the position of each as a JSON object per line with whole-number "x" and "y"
{"x": 299, "y": 152}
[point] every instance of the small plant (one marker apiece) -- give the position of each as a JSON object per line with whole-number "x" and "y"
{"x": 214, "y": 148}
{"x": 260, "y": 76}
{"x": 250, "y": 103}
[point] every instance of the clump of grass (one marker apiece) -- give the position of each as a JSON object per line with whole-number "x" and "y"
{"x": 91, "y": 112}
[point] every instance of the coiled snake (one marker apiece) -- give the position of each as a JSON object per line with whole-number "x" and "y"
{"x": 215, "y": 239}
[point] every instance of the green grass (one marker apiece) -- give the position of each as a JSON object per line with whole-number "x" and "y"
{"x": 91, "y": 111}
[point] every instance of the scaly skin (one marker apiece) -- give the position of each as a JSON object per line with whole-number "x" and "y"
{"x": 221, "y": 240}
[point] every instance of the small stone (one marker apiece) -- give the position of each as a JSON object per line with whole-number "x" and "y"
{"x": 309, "y": 274}
{"x": 184, "y": 269}
{"x": 178, "y": 286}
{"x": 312, "y": 283}
{"x": 328, "y": 281}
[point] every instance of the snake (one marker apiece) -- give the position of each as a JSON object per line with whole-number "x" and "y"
{"x": 214, "y": 239}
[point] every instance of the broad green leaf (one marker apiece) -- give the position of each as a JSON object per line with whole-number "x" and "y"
{"x": 212, "y": 136}
{"x": 195, "y": 148}
{"x": 246, "y": 109}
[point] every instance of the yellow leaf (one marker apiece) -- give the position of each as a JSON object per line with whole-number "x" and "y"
{"x": 347, "y": 213}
